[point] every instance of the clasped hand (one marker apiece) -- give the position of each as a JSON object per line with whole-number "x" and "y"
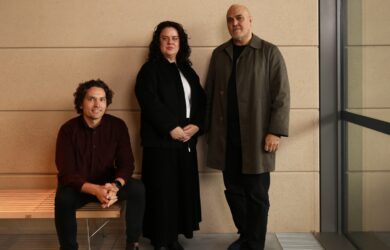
{"x": 107, "y": 194}
{"x": 184, "y": 134}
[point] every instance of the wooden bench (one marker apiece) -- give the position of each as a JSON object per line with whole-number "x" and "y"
{"x": 39, "y": 204}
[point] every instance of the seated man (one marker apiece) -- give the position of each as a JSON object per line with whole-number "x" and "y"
{"x": 95, "y": 163}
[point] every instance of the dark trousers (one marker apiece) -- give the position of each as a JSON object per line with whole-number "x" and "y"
{"x": 247, "y": 196}
{"x": 67, "y": 200}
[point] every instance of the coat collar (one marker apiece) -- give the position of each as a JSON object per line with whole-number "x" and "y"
{"x": 256, "y": 43}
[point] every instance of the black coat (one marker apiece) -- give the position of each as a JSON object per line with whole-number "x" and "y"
{"x": 160, "y": 94}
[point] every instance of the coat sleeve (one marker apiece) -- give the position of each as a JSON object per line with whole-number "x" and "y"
{"x": 152, "y": 109}
{"x": 209, "y": 89}
{"x": 200, "y": 109}
{"x": 280, "y": 94}
{"x": 124, "y": 159}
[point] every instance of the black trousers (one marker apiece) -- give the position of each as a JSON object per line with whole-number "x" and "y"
{"x": 247, "y": 196}
{"x": 67, "y": 200}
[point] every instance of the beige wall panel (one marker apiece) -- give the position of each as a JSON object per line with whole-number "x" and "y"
{"x": 380, "y": 114}
{"x": 215, "y": 211}
{"x": 45, "y": 79}
{"x": 354, "y": 146}
{"x": 354, "y": 73}
{"x": 22, "y": 181}
{"x": 354, "y": 201}
{"x": 298, "y": 152}
{"x": 294, "y": 202}
{"x": 375, "y": 148}
{"x": 202, "y": 155}
{"x": 376, "y": 22}
{"x": 376, "y": 75}
{"x": 368, "y": 22}
{"x": 287, "y": 214}
{"x": 354, "y": 22}
{"x": 45, "y": 23}
{"x": 368, "y": 76}
{"x": 302, "y": 66}
{"x": 376, "y": 202}
{"x": 28, "y": 139}
{"x": 28, "y": 75}
{"x": 200, "y": 58}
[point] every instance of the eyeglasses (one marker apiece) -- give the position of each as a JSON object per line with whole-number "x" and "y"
{"x": 166, "y": 39}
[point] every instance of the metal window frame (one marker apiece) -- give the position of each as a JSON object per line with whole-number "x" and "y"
{"x": 367, "y": 122}
{"x": 330, "y": 182}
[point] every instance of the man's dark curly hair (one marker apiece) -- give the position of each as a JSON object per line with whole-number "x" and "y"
{"x": 183, "y": 56}
{"x": 83, "y": 88}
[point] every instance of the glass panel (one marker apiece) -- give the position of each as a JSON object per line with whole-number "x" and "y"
{"x": 367, "y": 175}
{"x": 367, "y": 57}
{"x": 366, "y": 185}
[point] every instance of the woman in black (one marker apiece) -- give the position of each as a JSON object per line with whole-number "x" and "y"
{"x": 172, "y": 105}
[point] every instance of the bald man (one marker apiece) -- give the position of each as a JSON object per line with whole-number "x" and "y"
{"x": 247, "y": 113}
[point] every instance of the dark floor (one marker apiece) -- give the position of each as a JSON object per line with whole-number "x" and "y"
{"x": 107, "y": 241}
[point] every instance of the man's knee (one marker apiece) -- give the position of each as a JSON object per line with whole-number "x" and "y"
{"x": 138, "y": 190}
{"x": 65, "y": 198}
{"x": 135, "y": 190}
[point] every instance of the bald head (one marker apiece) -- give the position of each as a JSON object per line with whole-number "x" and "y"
{"x": 238, "y": 7}
{"x": 239, "y": 22}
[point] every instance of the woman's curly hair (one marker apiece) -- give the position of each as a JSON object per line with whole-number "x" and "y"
{"x": 83, "y": 88}
{"x": 183, "y": 56}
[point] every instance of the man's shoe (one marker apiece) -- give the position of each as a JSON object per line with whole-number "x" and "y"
{"x": 236, "y": 245}
{"x": 176, "y": 246}
{"x": 132, "y": 246}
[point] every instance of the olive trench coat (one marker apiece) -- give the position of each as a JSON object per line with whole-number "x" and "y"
{"x": 263, "y": 96}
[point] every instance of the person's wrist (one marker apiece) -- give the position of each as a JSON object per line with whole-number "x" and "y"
{"x": 118, "y": 184}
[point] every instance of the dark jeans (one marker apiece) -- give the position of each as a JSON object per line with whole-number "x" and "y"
{"x": 247, "y": 196}
{"x": 68, "y": 200}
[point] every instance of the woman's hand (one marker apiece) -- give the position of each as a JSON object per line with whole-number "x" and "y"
{"x": 178, "y": 134}
{"x": 190, "y": 130}
{"x": 184, "y": 134}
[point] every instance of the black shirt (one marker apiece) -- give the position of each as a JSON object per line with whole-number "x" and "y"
{"x": 233, "y": 118}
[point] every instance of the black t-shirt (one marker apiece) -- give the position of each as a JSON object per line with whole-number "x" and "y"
{"x": 233, "y": 121}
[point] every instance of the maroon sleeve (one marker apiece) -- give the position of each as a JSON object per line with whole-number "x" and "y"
{"x": 65, "y": 160}
{"x": 124, "y": 159}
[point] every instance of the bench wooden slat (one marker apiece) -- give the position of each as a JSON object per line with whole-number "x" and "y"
{"x": 39, "y": 203}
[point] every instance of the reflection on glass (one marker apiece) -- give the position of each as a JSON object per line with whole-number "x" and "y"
{"x": 367, "y": 57}
{"x": 367, "y": 176}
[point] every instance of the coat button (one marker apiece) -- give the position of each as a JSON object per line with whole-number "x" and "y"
{"x": 221, "y": 92}
{"x": 221, "y": 118}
